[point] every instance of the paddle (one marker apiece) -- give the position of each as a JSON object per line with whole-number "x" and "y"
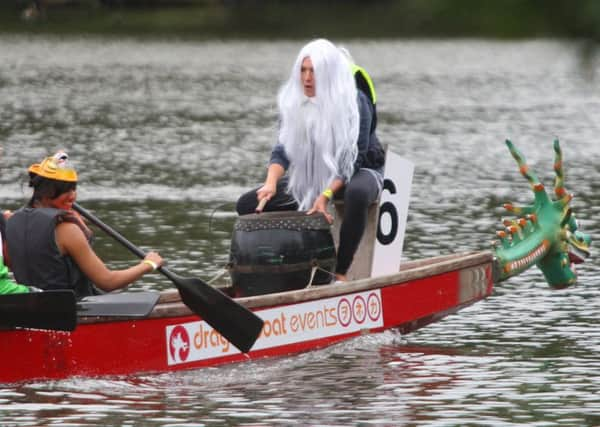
{"x": 54, "y": 310}
{"x": 119, "y": 304}
{"x": 235, "y": 322}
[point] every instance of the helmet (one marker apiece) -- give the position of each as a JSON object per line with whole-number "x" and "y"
{"x": 55, "y": 167}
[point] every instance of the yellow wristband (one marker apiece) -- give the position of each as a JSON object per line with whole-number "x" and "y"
{"x": 151, "y": 264}
{"x": 328, "y": 193}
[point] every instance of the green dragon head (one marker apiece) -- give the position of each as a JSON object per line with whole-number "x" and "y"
{"x": 545, "y": 233}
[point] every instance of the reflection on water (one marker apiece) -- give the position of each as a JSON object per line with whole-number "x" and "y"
{"x": 380, "y": 380}
{"x": 166, "y": 135}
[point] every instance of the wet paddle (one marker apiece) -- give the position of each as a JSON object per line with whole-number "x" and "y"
{"x": 52, "y": 310}
{"x": 235, "y": 322}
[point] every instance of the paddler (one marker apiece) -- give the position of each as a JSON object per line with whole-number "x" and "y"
{"x": 49, "y": 243}
{"x": 328, "y": 146}
{"x": 7, "y": 285}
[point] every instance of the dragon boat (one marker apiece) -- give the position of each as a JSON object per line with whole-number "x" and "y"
{"x": 49, "y": 335}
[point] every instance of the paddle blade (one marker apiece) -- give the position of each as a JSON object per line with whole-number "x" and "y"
{"x": 120, "y": 304}
{"x": 240, "y": 326}
{"x": 52, "y": 310}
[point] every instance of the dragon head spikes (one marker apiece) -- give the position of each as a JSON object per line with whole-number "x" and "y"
{"x": 544, "y": 233}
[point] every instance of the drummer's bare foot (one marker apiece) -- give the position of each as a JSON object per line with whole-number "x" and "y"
{"x": 340, "y": 277}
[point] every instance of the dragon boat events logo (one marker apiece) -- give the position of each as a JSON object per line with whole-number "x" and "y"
{"x": 286, "y": 325}
{"x": 179, "y": 344}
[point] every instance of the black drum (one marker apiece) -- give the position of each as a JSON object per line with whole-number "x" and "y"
{"x": 276, "y": 251}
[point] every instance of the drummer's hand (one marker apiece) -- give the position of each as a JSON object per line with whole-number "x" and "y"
{"x": 264, "y": 194}
{"x": 320, "y": 205}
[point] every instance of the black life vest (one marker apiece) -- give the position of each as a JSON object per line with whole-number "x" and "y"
{"x": 35, "y": 257}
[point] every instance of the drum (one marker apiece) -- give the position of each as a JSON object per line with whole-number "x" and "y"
{"x": 276, "y": 251}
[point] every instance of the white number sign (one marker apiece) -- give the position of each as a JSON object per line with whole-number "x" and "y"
{"x": 393, "y": 213}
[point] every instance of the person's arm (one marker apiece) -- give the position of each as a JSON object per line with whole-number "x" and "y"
{"x": 321, "y": 202}
{"x": 365, "y": 111}
{"x": 71, "y": 240}
{"x": 278, "y": 164}
{"x": 74, "y": 217}
{"x": 366, "y": 118}
{"x": 279, "y": 156}
{"x": 269, "y": 188}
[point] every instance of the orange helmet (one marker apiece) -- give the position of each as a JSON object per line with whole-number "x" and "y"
{"x": 55, "y": 167}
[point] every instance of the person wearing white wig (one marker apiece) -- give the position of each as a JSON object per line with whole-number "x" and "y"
{"x": 327, "y": 144}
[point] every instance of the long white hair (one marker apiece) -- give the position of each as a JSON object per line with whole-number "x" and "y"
{"x": 319, "y": 134}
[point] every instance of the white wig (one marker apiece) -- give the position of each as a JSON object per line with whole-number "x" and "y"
{"x": 319, "y": 134}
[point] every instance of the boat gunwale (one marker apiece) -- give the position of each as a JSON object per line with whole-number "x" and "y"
{"x": 170, "y": 304}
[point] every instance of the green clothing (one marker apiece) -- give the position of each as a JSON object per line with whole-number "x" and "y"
{"x": 7, "y": 286}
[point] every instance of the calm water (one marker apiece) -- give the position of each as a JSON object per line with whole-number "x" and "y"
{"x": 166, "y": 135}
